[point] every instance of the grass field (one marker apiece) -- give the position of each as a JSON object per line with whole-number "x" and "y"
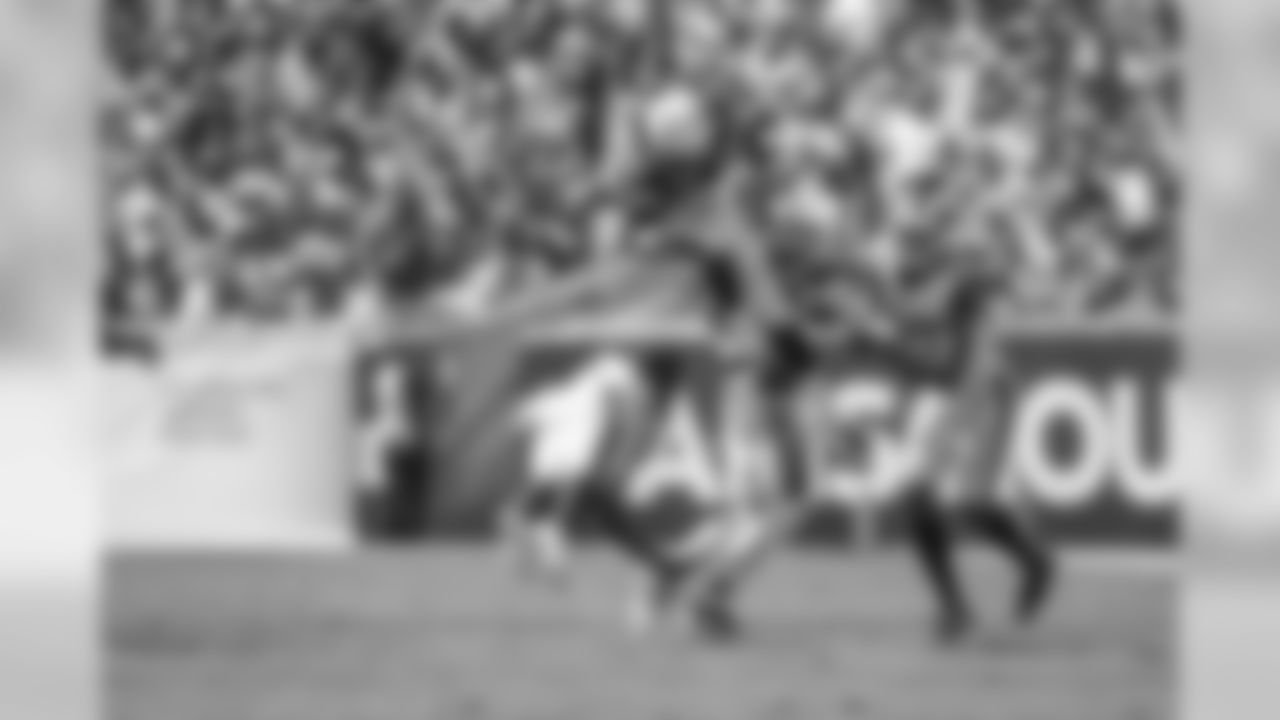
{"x": 454, "y": 633}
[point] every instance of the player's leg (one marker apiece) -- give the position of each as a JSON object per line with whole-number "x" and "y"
{"x": 755, "y": 526}
{"x": 639, "y": 535}
{"x": 1006, "y": 524}
{"x": 1014, "y": 532}
{"x": 638, "y": 531}
{"x": 932, "y": 536}
{"x": 746, "y": 548}
{"x": 929, "y": 520}
{"x": 544, "y": 531}
{"x": 708, "y": 591}
{"x": 539, "y": 522}
{"x": 607, "y": 516}
{"x": 738, "y": 546}
{"x": 678, "y": 548}
{"x": 704, "y": 590}
{"x": 716, "y": 614}
{"x": 647, "y": 604}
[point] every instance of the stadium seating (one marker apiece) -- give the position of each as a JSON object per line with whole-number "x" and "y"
{"x": 287, "y": 153}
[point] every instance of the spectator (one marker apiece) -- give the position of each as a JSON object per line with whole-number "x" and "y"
{"x": 423, "y": 137}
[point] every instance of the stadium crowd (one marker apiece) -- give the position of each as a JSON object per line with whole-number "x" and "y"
{"x": 266, "y": 158}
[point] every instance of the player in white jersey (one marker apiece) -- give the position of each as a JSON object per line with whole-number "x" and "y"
{"x": 585, "y": 434}
{"x": 568, "y": 426}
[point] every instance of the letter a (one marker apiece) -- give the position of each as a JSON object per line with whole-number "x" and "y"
{"x": 680, "y": 460}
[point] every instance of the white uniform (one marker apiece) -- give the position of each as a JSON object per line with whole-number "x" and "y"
{"x": 569, "y": 422}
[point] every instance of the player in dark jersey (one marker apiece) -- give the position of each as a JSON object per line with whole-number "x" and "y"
{"x": 736, "y": 268}
{"x": 942, "y": 346}
{"x": 678, "y": 199}
{"x": 949, "y": 351}
{"x": 781, "y": 353}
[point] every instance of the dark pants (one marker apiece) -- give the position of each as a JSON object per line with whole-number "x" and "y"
{"x": 935, "y": 531}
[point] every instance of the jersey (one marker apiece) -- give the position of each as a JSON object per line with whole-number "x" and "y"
{"x": 964, "y": 395}
{"x": 945, "y": 346}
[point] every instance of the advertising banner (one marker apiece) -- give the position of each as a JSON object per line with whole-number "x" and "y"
{"x": 1087, "y": 447}
{"x": 235, "y": 440}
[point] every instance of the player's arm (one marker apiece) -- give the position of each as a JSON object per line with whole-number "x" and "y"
{"x": 429, "y": 325}
{"x": 865, "y": 302}
{"x": 957, "y": 325}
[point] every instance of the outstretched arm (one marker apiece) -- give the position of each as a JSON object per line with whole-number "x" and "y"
{"x": 428, "y": 324}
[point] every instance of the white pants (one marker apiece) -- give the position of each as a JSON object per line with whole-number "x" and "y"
{"x": 567, "y": 450}
{"x": 568, "y": 434}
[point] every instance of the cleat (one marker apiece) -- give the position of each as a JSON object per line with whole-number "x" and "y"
{"x": 718, "y": 623}
{"x": 1036, "y": 590}
{"x": 647, "y": 607}
{"x": 547, "y": 558}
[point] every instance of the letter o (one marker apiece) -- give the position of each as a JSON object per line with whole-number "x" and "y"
{"x": 1062, "y": 400}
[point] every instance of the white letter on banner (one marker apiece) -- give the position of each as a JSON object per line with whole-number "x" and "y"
{"x": 1145, "y": 480}
{"x": 747, "y": 448}
{"x": 680, "y": 459}
{"x": 1195, "y": 435}
{"x": 911, "y": 441}
{"x": 1062, "y": 400}
{"x": 864, "y": 408}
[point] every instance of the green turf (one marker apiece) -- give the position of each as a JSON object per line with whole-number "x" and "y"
{"x": 455, "y": 634}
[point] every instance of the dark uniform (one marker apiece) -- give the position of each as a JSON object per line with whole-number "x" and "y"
{"x": 672, "y": 195}
{"x": 946, "y": 354}
{"x": 952, "y": 359}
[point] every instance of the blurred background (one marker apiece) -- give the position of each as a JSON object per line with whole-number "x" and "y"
{"x": 1231, "y": 588}
{"x": 48, "y": 560}
{"x": 272, "y": 159}
{"x": 341, "y": 141}
{"x": 46, "y": 266}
